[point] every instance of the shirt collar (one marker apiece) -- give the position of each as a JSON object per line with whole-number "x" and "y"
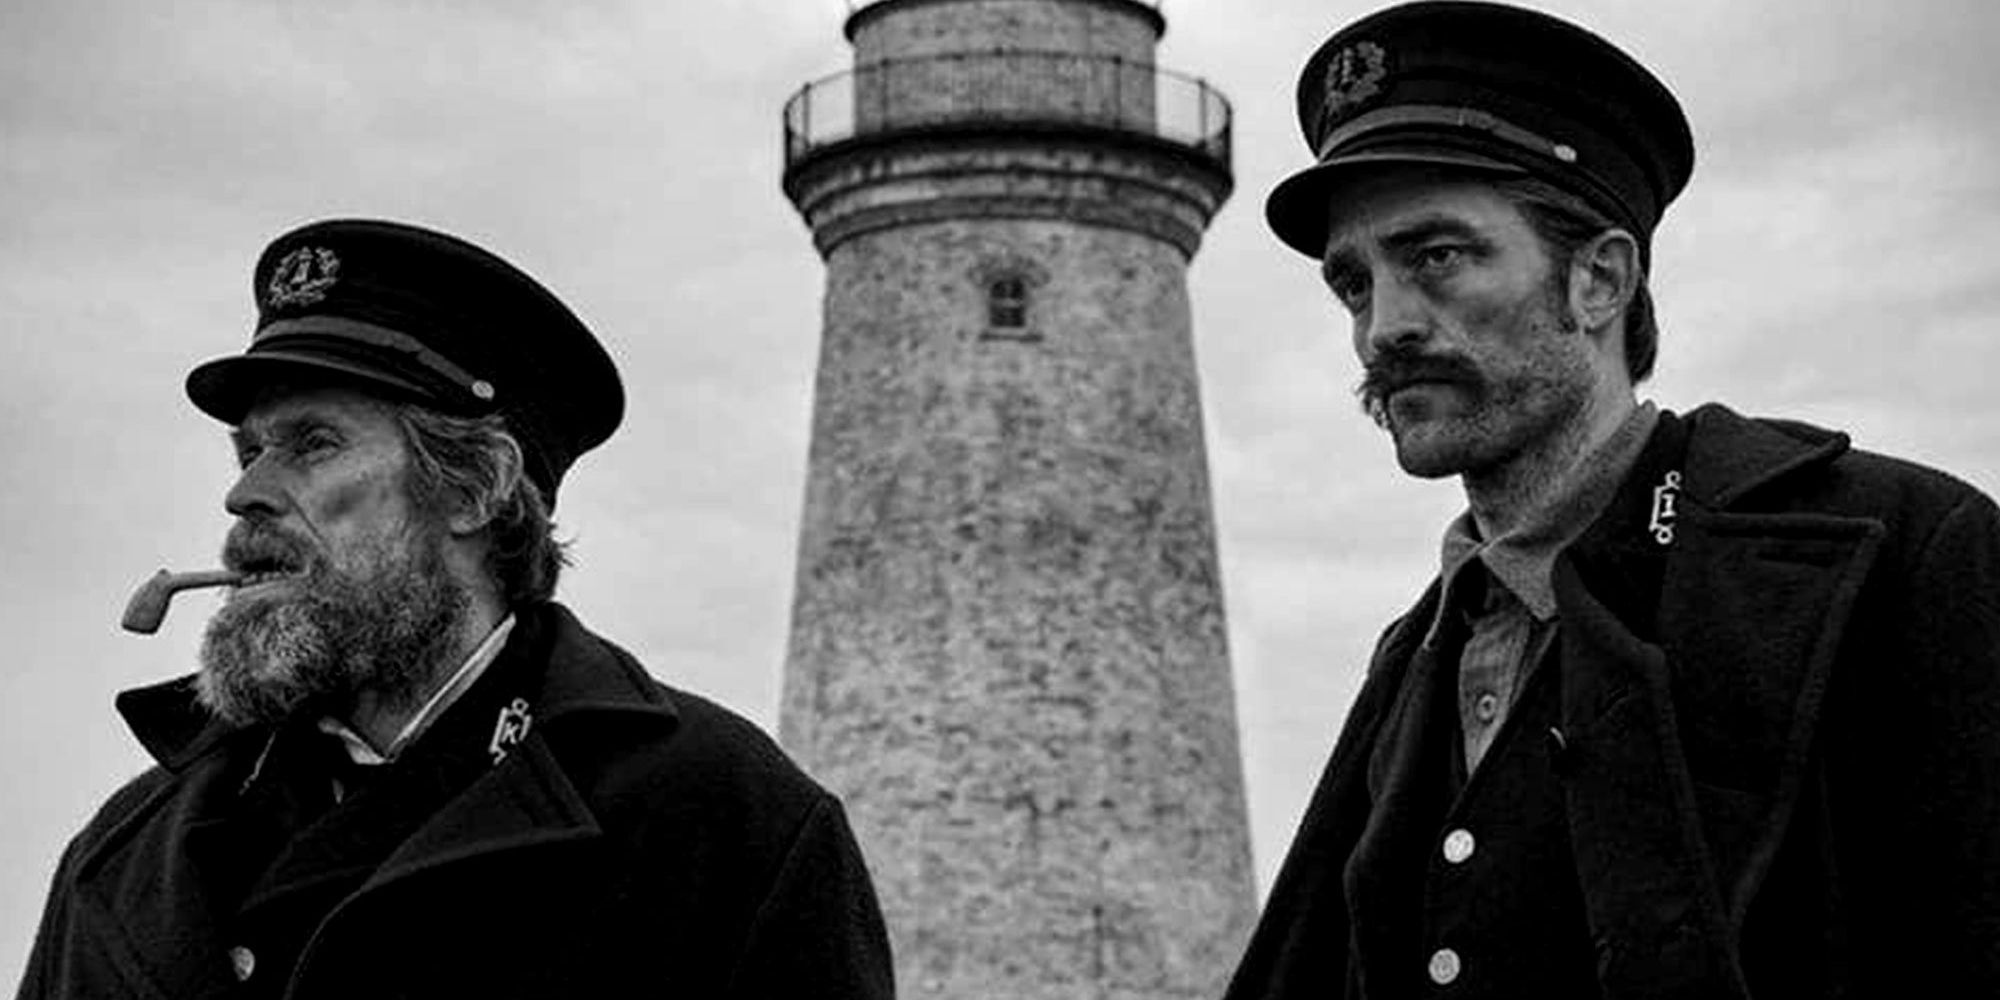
{"x": 1523, "y": 560}
{"x": 446, "y": 694}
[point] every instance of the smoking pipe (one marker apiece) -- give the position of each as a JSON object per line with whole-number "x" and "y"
{"x": 148, "y": 606}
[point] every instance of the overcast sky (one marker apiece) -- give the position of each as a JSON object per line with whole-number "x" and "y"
{"x": 1836, "y": 258}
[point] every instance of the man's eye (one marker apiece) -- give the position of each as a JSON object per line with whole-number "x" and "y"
{"x": 1437, "y": 257}
{"x": 246, "y": 456}
{"x": 316, "y": 441}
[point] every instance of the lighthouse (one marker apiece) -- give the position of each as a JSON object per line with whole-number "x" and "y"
{"x": 1007, "y": 650}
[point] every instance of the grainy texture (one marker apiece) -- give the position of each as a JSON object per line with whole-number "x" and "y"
{"x": 1102, "y": 27}
{"x": 1008, "y": 651}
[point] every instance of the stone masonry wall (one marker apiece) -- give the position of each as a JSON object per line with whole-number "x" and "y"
{"x": 920, "y": 29}
{"x": 952, "y": 59}
{"x": 1079, "y": 178}
{"x": 1008, "y": 651}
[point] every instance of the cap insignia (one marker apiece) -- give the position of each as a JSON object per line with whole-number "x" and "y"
{"x": 302, "y": 277}
{"x": 1353, "y": 77}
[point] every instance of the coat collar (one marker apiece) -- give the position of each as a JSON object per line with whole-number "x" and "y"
{"x": 596, "y": 676}
{"x": 170, "y": 723}
{"x": 528, "y": 802}
{"x": 1692, "y": 678}
{"x": 1731, "y": 456}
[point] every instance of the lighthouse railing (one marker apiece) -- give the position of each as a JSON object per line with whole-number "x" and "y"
{"x": 1011, "y": 87}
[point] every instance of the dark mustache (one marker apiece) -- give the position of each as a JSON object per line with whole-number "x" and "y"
{"x": 1393, "y": 370}
{"x": 251, "y": 543}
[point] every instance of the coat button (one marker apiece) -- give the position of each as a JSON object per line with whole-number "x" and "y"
{"x": 1486, "y": 707}
{"x": 1445, "y": 966}
{"x": 244, "y": 961}
{"x": 1458, "y": 845}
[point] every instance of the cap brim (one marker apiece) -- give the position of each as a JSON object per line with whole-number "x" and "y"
{"x": 225, "y": 388}
{"x": 1298, "y": 207}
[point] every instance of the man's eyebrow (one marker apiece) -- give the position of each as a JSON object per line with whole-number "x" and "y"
{"x": 277, "y": 430}
{"x": 1344, "y": 258}
{"x": 1423, "y": 229}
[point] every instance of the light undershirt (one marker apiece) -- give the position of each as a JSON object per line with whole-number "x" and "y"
{"x": 1504, "y": 590}
{"x": 446, "y": 694}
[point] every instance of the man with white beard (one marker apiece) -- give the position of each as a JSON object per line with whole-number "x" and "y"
{"x": 403, "y": 769}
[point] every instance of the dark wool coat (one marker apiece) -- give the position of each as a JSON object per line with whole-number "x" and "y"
{"x": 638, "y": 841}
{"x": 1781, "y": 764}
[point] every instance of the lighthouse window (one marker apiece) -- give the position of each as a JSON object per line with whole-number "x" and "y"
{"x": 1007, "y": 304}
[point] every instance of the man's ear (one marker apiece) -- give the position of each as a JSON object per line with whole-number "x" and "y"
{"x": 477, "y": 507}
{"x": 1604, "y": 276}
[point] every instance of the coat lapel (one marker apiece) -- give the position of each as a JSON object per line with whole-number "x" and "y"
{"x": 1755, "y": 610}
{"x": 1686, "y": 756}
{"x": 1648, "y": 884}
{"x": 522, "y": 828}
{"x": 527, "y": 802}
{"x": 147, "y": 887}
{"x": 1756, "y": 605}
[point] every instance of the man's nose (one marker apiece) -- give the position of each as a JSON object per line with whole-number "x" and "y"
{"x": 255, "y": 493}
{"x": 1397, "y": 320}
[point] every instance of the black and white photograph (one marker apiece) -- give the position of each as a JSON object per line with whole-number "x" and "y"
{"x": 959, "y": 499}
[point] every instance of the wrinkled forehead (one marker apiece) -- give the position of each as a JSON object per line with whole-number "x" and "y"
{"x": 326, "y": 396}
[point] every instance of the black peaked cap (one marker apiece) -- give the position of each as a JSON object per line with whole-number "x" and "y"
{"x": 424, "y": 317}
{"x": 1487, "y": 87}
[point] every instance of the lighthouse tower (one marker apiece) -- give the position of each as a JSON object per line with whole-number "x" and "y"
{"x": 1007, "y": 650}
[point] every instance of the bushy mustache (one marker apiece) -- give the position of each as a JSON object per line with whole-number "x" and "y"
{"x": 254, "y": 546}
{"x": 1396, "y": 368}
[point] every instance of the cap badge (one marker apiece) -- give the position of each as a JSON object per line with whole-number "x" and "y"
{"x": 1353, "y": 77}
{"x": 302, "y": 277}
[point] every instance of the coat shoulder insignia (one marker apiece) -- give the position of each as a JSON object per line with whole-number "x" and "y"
{"x": 510, "y": 729}
{"x": 1664, "y": 510}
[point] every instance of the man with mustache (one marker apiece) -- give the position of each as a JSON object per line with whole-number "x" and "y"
{"x": 1699, "y": 705}
{"x": 403, "y": 769}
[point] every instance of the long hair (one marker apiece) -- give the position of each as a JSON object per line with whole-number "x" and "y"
{"x": 1565, "y": 222}
{"x": 476, "y": 462}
